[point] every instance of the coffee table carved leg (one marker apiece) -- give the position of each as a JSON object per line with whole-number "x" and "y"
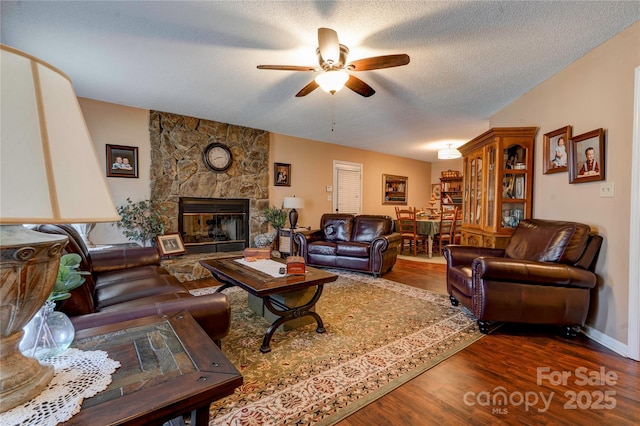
{"x": 287, "y": 313}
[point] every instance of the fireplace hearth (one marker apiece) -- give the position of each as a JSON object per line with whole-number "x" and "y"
{"x": 211, "y": 225}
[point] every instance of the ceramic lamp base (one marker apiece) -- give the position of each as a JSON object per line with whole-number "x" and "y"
{"x": 22, "y": 378}
{"x": 29, "y": 266}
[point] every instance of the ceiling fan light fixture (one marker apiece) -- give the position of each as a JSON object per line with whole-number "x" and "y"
{"x": 332, "y": 81}
{"x": 449, "y": 154}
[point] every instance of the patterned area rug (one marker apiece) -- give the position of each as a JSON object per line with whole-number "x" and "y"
{"x": 379, "y": 334}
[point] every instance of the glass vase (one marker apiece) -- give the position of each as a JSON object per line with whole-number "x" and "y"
{"x": 48, "y": 334}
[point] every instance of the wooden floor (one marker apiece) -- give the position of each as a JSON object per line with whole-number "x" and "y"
{"x": 601, "y": 387}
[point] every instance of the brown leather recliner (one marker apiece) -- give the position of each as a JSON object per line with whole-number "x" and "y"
{"x": 129, "y": 283}
{"x": 543, "y": 276}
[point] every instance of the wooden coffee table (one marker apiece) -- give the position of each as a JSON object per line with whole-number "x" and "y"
{"x": 169, "y": 367}
{"x": 231, "y": 273}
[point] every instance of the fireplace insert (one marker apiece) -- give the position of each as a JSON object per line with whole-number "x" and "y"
{"x": 210, "y": 225}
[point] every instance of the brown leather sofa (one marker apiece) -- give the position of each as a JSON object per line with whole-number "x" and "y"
{"x": 364, "y": 243}
{"x": 545, "y": 275}
{"x": 128, "y": 283}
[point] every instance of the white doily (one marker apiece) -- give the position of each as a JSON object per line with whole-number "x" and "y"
{"x": 77, "y": 375}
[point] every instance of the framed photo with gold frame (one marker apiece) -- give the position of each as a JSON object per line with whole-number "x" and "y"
{"x": 395, "y": 189}
{"x": 586, "y": 157}
{"x": 555, "y": 151}
{"x": 170, "y": 244}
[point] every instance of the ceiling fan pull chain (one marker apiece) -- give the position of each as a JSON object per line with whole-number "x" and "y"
{"x": 333, "y": 111}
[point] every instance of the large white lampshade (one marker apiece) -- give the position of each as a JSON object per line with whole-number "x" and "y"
{"x": 49, "y": 173}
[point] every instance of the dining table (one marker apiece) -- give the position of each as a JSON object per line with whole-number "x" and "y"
{"x": 426, "y": 226}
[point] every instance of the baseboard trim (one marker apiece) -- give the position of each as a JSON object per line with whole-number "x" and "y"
{"x": 605, "y": 340}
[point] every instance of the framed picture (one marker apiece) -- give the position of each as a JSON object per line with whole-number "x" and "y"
{"x": 586, "y": 157}
{"x": 555, "y": 158}
{"x": 282, "y": 174}
{"x": 122, "y": 161}
{"x": 394, "y": 189}
{"x": 170, "y": 244}
{"x": 508, "y": 190}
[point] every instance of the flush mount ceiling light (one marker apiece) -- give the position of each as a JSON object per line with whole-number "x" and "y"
{"x": 332, "y": 80}
{"x": 449, "y": 154}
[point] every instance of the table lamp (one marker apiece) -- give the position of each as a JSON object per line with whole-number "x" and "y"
{"x": 49, "y": 173}
{"x": 293, "y": 203}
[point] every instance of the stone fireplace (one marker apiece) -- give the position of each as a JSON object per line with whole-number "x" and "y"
{"x": 178, "y": 169}
{"x": 211, "y": 225}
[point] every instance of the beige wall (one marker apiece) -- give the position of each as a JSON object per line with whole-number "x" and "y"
{"x": 312, "y": 168}
{"x": 596, "y": 91}
{"x": 119, "y": 125}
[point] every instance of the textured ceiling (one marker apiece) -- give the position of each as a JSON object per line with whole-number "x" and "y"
{"x": 468, "y": 60}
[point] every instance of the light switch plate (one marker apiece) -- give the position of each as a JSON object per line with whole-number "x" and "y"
{"x": 329, "y": 198}
{"x": 607, "y": 189}
{"x": 329, "y": 188}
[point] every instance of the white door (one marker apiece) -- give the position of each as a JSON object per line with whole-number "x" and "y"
{"x": 347, "y": 181}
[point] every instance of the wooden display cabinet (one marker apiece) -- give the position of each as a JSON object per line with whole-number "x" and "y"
{"x": 497, "y": 184}
{"x": 450, "y": 192}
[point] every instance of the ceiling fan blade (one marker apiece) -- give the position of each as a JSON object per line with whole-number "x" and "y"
{"x": 359, "y": 86}
{"x": 378, "y": 62}
{"x": 286, "y": 68}
{"x": 307, "y": 89}
{"x": 329, "y": 45}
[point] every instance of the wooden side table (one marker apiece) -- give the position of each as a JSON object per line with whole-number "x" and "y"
{"x": 169, "y": 367}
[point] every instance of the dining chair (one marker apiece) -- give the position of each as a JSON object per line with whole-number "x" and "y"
{"x": 445, "y": 233}
{"x": 408, "y": 227}
{"x": 456, "y": 232}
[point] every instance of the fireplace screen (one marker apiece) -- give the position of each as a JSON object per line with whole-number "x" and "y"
{"x": 213, "y": 225}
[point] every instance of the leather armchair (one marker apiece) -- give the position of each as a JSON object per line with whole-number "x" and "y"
{"x": 543, "y": 276}
{"x": 129, "y": 283}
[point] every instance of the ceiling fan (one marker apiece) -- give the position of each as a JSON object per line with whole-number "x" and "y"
{"x": 332, "y": 57}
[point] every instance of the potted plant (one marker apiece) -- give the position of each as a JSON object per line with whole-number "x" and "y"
{"x": 277, "y": 218}
{"x": 141, "y": 221}
{"x": 50, "y": 332}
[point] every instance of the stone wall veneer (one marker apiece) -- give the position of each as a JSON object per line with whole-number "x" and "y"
{"x": 178, "y": 169}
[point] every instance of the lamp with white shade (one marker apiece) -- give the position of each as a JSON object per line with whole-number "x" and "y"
{"x": 293, "y": 203}
{"x": 49, "y": 173}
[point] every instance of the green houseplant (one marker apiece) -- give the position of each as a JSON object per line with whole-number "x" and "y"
{"x": 276, "y": 217}
{"x": 141, "y": 221}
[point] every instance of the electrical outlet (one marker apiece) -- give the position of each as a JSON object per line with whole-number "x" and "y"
{"x": 607, "y": 189}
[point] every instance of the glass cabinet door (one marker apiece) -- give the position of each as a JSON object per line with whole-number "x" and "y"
{"x": 491, "y": 186}
{"x": 514, "y": 186}
{"x": 478, "y": 191}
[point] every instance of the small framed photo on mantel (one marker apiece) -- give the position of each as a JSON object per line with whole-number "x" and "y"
{"x": 122, "y": 161}
{"x": 170, "y": 244}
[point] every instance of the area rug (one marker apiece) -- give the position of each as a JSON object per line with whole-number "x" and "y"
{"x": 379, "y": 335}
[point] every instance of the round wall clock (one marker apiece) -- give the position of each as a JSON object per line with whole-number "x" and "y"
{"x": 218, "y": 157}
